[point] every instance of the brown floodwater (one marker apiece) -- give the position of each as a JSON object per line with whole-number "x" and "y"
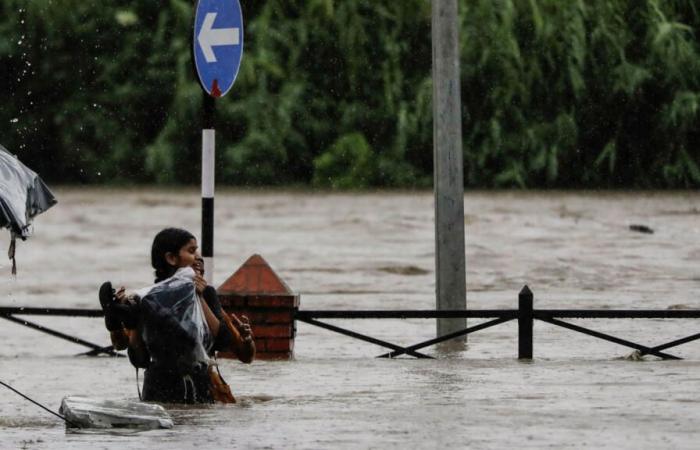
{"x": 376, "y": 251}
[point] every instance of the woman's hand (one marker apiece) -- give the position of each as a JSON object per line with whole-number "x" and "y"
{"x": 120, "y": 295}
{"x": 199, "y": 283}
{"x": 243, "y": 325}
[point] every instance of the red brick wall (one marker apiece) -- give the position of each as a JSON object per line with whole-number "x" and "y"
{"x": 272, "y": 321}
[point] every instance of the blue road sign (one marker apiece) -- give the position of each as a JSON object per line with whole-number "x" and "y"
{"x": 218, "y": 44}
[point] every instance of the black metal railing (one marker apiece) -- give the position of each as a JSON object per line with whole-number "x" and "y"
{"x": 9, "y": 313}
{"x": 525, "y": 316}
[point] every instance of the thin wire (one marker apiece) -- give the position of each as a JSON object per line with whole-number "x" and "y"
{"x": 38, "y": 404}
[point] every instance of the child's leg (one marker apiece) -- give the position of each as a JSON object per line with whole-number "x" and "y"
{"x": 120, "y": 340}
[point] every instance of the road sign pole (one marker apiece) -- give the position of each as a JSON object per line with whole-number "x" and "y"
{"x": 450, "y": 283}
{"x": 217, "y": 49}
{"x": 208, "y": 173}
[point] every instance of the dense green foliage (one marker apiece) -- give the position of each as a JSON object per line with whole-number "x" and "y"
{"x": 594, "y": 93}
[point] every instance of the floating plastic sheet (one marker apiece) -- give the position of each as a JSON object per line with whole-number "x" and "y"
{"x": 98, "y": 413}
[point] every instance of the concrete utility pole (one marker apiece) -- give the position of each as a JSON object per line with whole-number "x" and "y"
{"x": 450, "y": 283}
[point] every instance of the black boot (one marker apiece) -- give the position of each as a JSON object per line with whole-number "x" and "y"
{"x": 107, "y": 301}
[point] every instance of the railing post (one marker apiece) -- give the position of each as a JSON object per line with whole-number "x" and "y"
{"x": 525, "y": 319}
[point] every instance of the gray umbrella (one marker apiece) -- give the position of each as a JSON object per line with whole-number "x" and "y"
{"x": 23, "y": 195}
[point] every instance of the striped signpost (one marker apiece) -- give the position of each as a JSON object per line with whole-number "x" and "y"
{"x": 217, "y": 50}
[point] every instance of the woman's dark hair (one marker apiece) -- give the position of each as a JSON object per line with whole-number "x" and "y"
{"x": 167, "y": 240}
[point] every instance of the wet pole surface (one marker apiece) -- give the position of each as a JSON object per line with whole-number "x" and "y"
{"x": 208, "y": 185}
{"x": 375, "y": 251}
{"x": 447, "y": 156}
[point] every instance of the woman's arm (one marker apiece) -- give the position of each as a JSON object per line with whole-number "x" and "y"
{"x": 211, "y": 319}
{"x": 242, "y": 344}
{"x": 237, "y": 338}
{"x": 138, "y": 354}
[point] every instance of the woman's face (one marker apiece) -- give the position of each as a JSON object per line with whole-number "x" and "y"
{"x": 187, "y": 255}
{"x": 198, "y": 265}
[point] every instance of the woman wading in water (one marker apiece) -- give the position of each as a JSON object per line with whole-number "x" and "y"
{"x": 162, "y": 343}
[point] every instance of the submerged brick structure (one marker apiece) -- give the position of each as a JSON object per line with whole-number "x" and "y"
{"x": 255, "y": 290}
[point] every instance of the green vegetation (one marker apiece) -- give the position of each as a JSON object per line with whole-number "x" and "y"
{"x": 337, "y": 93}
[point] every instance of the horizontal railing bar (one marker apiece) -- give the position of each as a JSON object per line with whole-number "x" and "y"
{"x": 71, "y": 312}
{"x": 502, "y": 313}
{"x": 407, "y": 314}
{"x": 617, "y": 313}
{"x": 418, "y": 314}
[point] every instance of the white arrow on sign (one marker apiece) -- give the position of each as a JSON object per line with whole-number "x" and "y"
{"x": 210, "y": 37}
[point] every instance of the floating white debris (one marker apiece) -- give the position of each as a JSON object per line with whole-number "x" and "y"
{"x": 97, "y": 413}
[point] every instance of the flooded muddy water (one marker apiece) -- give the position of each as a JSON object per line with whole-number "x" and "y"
{"x": 376, "y": 251}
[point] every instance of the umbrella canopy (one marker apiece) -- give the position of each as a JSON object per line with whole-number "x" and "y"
{"x": 23, "y": 195}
